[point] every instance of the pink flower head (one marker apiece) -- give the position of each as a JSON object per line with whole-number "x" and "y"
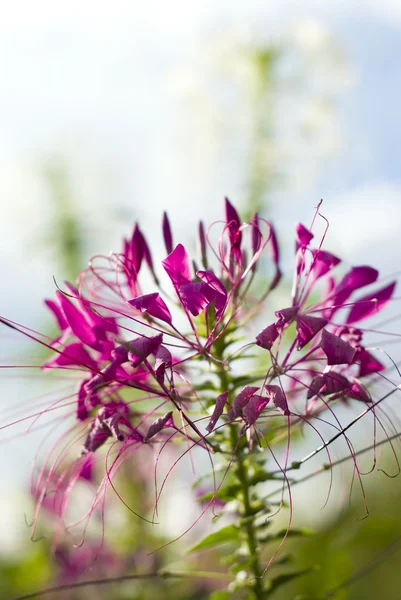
{"x": 169, "y": 367}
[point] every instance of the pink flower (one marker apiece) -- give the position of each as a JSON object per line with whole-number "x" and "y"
{"x": 145, "y": 378}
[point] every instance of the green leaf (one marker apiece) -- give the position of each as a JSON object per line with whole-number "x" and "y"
{"x": 282, "y": 579}
{"x": 296, "y": 532}
{"x": 226, "y": 493}
{"x": 207, "y": 385}
{"x": 261, "y": 475}
{"x": 240, "y": 565}
{"x": 285, "y": 559}
{"x": 307, "y": 597}
{"x": 244, "y": 380}
{"x": 220, "y": 596}
{"x": 227, "y": 534}
{"x": 280, "y": 534}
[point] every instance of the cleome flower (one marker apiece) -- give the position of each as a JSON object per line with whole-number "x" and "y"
{"x": 154, "y": 351}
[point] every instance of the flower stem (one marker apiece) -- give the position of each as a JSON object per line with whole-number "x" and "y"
{"x": 247, "y": 513}
{"x": 247, "y": 522}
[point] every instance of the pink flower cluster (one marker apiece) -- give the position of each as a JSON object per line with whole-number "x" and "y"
{"x": 139, "y": 335}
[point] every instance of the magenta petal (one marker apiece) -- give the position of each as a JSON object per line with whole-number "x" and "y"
{"x": 163, "y": 357}
{"x": 163, "y": 361}
{"x": 126, "y": 250}
{"x": 276, "y": 395}
{"x": 233, "y": 224}
{"x": 218, "y": 410}
{"x": 221, "y": 295}
{"x": 328, "y": 297}
{"x": 323, "y": 262}
{"x": 86, "y": 471}
{"x": 368, "y": 364}
{"x": 257, "y": 237}
{"x": 82, "y": 410}
{"x": 274, "y": 252}
{"x": 168, "y": 238}
{"x": 97, "y": 321}
{"x": 72, "y": 289}
{"x": 359, "y": 392}
{"x": 196, "y": 296}
{"x": 351, "y": 335}
{"x": 210, "y": 278}
{"x": 273, "y": 245}
{"x": 303, "y": 236}
{"x": 153, "y": 305}
{"x": 135, "y": 250}
{"x": 177, "y": 266}
{"x": 105, "y": 349}
{"x": 231, "y": 214}
{"x": 307, "y": 327}
{"x": 370, "y": 304}
{"x": 58, "y": 313}
{"x": 108, "y": 373}
{"x": 147, "y": 256}
{"x": 96, "y": 437}
{"x": 356, "y": 278}
{"x": 327, "y": 383}
{"x": 285, "y": 315}
{"x": 100, "y": 325}
{"x": 157, "y": 426}
{"x": 329, "y": 285}
{"x": 73, "y": 354}
{"x": 337, "y": 351}
{"x": 254, "y": 407}
{"x": 78, "y": 324}
{"x": 126, "y": 374}
{"x": 202, "y": 243}
{"x": 120, "y": 354}
{"x": 266, "y": 338}
{"x": 105, "y": 425}
{"x": 142, "y": 347}
{"x": 241, "y": 400}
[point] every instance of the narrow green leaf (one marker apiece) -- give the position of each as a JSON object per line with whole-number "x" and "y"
{"x": 280, "y": 534}
{"x": 225, "y": 493}
{"x": 207, "y": 385}
{"x": 227, "y": 534}
{"x": 282, "y": 579}
{"x": 285, "y": 559}
{"x": 261, "y": 475}
{"x": 240, "y": 566}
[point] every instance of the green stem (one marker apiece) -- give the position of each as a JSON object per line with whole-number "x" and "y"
{"x": 248, "y": 517}
{"x": 247, "y": 521}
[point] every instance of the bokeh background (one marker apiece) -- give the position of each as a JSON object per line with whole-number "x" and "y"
{"x": 113, "y": 112}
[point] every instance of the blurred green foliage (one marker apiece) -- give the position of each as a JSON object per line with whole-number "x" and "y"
{"x": 21, "y": 575}
{"x": 66, "y": 238}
